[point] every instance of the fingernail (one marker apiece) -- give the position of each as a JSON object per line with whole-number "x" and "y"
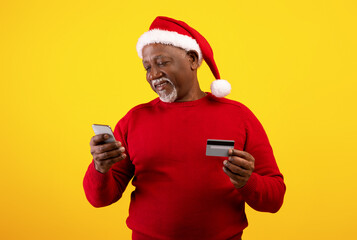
{"x": 106, "y": 136}
{"x": 122, "y": 149}
{"x": 225, "y": 163}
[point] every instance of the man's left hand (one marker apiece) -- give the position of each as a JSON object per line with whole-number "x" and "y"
{"x": 239, "y": 167}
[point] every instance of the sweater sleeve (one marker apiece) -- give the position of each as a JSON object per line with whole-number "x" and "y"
{"x": 265, "y": 188}
{"x": 103, "y": 189}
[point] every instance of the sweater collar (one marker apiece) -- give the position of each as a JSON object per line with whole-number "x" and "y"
{"x": 189, "y": 103}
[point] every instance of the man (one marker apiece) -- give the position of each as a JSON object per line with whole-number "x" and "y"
{"x": 180, "y": 192}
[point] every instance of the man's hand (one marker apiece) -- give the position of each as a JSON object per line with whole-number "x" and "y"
{"x": 105, "y": 154}
{"x": 239, "y": 167}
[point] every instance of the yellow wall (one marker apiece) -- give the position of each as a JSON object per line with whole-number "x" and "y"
{"x": 67, "y": 64}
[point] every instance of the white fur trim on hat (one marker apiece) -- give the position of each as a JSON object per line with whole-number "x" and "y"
{"x": 220, "y": 88}
{"x": 167, "y": 37}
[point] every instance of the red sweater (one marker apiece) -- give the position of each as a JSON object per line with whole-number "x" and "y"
{"x": 180, "y": 193}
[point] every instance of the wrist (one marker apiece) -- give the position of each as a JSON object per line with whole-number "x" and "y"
{"x": 100, "y": 169}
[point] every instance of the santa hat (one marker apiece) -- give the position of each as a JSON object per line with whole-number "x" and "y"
{"x": 177, "y": 33}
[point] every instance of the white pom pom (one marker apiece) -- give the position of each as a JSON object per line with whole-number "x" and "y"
{"x": 220, "y": 88}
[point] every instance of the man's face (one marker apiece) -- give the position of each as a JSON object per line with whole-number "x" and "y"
{"x": 168, "y": 70}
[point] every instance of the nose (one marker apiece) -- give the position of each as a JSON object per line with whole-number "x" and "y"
{"x": 154, "y": 73}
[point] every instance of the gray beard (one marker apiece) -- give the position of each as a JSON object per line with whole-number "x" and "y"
{"x": 164, "y": 95}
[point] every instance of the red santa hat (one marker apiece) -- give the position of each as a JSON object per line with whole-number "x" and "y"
{"x": 177, "y": 33}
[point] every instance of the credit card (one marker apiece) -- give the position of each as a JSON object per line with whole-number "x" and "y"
{"x": 218, "y": 148}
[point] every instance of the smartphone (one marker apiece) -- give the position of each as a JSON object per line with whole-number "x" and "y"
{"x": 101, "y": 129}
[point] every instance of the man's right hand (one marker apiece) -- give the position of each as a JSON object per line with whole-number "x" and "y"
{"x": 105, "y": 154}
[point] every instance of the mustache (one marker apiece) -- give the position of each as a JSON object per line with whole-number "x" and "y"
{"x": 159, "y": 81}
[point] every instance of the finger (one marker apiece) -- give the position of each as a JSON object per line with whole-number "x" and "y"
{"x": 236, "y": 169}
{"x": 106, "y": 147}
{"x": 121, "y": 157}
{"x": 240, "y": 162}
{"x": 98, "y": 139}
{"x": 233, "y": 176}
{"x": 111, "y": 161}
{"x": 239, "y": 153}
{"x": 104, "y": 166}
{"x": 107, "y": 155}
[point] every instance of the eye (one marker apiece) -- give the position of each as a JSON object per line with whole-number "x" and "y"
{"x": 147, "y": 68}
{"x": 162, "y": 63}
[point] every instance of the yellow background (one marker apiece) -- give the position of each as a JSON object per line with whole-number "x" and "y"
{"x": 67, "y": 64}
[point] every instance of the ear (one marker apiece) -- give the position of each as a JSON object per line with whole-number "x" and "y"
{"x": 193, "y": 58}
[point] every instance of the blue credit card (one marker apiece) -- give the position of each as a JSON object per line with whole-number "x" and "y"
{"x": 218, "y": 148}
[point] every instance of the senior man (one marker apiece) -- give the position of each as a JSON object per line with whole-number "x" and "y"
{"x": 180, "y": 192}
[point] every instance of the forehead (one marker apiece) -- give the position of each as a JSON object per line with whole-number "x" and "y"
{"x": 157, "y": 50}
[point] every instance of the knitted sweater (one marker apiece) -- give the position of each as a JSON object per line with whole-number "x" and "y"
{"x": 180, "y": 193}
